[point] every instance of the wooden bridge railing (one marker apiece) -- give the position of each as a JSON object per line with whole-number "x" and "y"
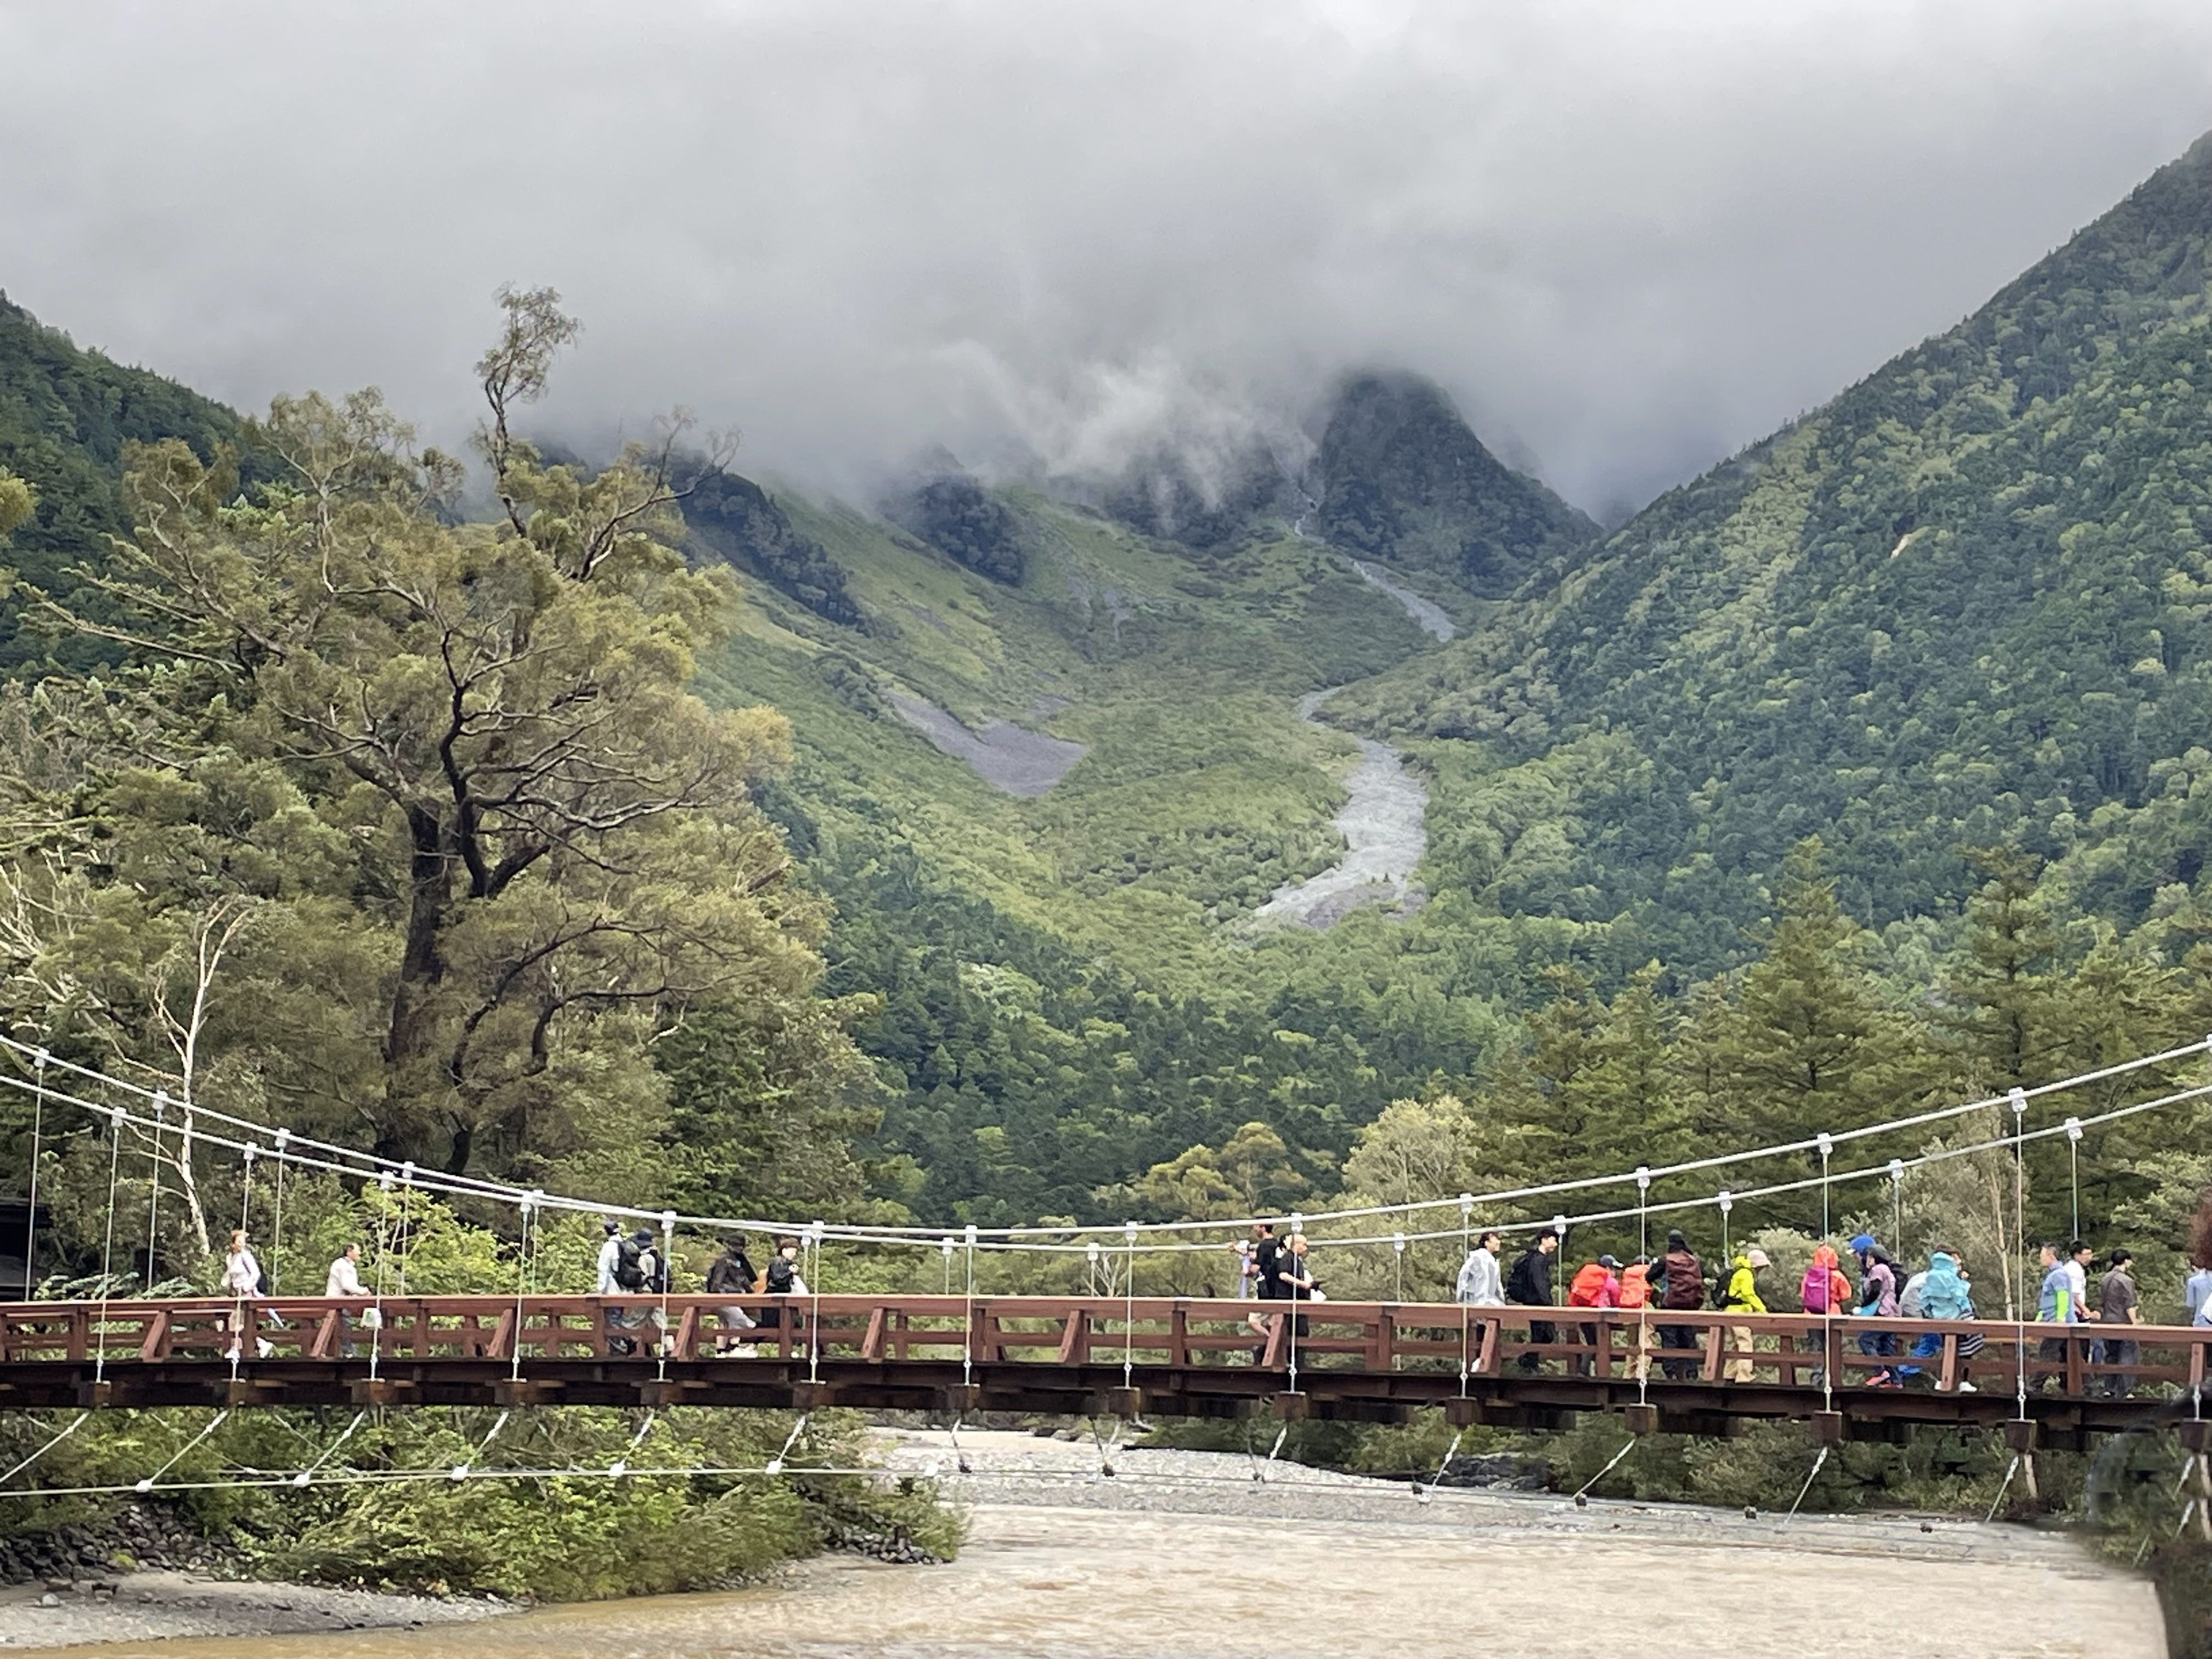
{"x": 1790, "y": 1351}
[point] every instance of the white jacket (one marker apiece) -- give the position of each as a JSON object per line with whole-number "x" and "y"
{"x": 1479, "y": 1281}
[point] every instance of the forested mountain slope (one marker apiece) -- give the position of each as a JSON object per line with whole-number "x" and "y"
{"x": 1967, "y": 602}
{"x": 66, "y": 415}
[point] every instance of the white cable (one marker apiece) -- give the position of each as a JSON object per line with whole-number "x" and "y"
{"x": 81, "y": 1419}
{"x": 305, "y": 1475}
{"x": 480, "y": 1188}
{"x": 38, "y": 1124}
{"x": 214, "y": 1423}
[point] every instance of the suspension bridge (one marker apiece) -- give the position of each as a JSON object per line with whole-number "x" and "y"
{"x": 1098, "y": 1356}
{"x": 967, "y": 1351}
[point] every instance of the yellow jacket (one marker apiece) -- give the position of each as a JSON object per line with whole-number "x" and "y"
{"x": 1743, "y": 1288}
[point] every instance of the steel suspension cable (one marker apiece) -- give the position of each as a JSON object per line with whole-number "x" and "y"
{"x": 506, "y": 1193}
{"x": 38, "y": 1125}
{"x": 107, "y": 1249}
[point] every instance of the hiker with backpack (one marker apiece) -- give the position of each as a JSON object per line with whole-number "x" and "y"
{"x": 626, "y": 1268}
{"x": 1635, "y": 1292}
{"x": 1596, "y": 1285}
{"x": 732, "y": 1274}
{"x": 1826, "y": 1289}
{"x": 1681, "y": 1289}
{"x": 781, "y": 1279}
{"x": 1878, "y": 1299}
{"x": 1529, "y": 1286}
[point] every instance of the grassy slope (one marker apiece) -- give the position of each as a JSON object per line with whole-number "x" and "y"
{"x": 1073, "y": 992}
{"x": 1201, "y": 790}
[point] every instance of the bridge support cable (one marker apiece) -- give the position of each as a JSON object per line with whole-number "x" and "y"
{"x": 351, "y": 1162}
{"x": 277, "y": 1234}
{"x": 461, "y": 1470}
{"x": 968, "y": 1324}
{"x": 774, "y": 1465}
{"x": 82, "y": 1418}
{"x": 525, "y": 1206}
{"x": 814, "y": 1319}
{"x": 176, "y": 1456}
{"x": 1819, "y": 1462}
{"x": 375, "y": 1321}
{"x": 38, "y": 1125}
{"x": 2019, "y": 1273}
{"x": 400, "y": 1236}
{"x": 301, "y": 1480}
{"x": 238, "y": 1313}
{"x": 107, "y": 1249}
{"x": 1421, "y": 1493}
{"x": 154, "y": 1197}
{"x": 1129, "y": 1312}
{"x": 1611, "y": 1464}
{"x": 1827, "y": 1292}
{"x": 2074, "y": 1170}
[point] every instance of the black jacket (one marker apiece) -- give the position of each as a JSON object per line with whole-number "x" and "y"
{"x": 731, "y": 1275}
{"x": 1530, "y": 1284}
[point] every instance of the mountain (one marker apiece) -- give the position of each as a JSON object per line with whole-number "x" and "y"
{"x": 1969, "y": 601}
{"x": 1403, "y": 479}
{"x": 66, "y": 415}
{"x": 735, "y": 519}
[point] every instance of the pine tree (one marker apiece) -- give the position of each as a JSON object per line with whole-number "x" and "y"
{"x": 1812, "y": 1045}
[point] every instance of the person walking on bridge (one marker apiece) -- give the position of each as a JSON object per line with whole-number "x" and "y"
{"x": 241, "y": 1278}
{"x": 1596, "y": 1285}
{"x": 1742, "y": 1296}
{"x": 1825, "y": 1290}
{"x": 1480, "y": 1283}
{"x": 343, "y": 1280}
{"x": 1266, "y": 1249}
{"x": 1530, "y": 1286}
{"x": 1945, "y": 1295}
{"x": 2118, "y": 1307}
{"x": 2196, "y": 1290}
{"x": 1681, "y": 1289}
{"x": 732, "y": 1274}
{"x": 1878, "y": 1299}
{"x": 1635, "y": 1292}
{"x": 2058, "y": 1303}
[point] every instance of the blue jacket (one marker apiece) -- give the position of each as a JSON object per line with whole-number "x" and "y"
{"x": 2056, "y": 1306}
{"x": 1943, "y": 1294}
{"x": 2197, "y": 1294}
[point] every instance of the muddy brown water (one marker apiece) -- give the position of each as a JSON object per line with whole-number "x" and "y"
{"x": 1069, "y": 1583}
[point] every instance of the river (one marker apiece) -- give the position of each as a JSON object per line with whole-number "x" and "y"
{"x": 1384, "y": 819}
{"x": 1184, "y": 1555}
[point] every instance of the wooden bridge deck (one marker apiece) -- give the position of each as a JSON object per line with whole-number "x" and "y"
{"x": 1058, "y": 1354}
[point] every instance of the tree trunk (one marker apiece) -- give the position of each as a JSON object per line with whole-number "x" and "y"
{"x": 410, "y": 1038}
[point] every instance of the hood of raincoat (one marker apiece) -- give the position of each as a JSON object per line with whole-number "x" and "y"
{"x": 1943, "y": 1294}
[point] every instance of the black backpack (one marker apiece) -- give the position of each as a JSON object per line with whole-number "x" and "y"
{"x": 630, "y": 1265}
{"x": 1521, "y": 1287}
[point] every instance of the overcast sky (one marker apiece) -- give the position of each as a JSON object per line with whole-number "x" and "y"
{"x": 1628, "y": 237}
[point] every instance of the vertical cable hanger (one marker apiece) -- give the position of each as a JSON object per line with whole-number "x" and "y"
{"x": 38, "y": 1125}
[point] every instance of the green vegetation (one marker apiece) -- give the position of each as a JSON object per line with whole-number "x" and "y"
{"x": 1960, "y": 605}
{"x": 66, "y": 415}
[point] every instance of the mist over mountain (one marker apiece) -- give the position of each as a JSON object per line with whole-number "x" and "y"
{"x": 1626, "y": 241}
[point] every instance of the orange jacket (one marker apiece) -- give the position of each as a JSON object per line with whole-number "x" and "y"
{"x": 1593, "y": 1286}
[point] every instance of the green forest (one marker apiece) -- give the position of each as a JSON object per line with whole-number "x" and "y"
{"x": 566, "y": 822}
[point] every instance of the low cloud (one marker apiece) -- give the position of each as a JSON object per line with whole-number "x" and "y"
{"x": 1628, "y": 237}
